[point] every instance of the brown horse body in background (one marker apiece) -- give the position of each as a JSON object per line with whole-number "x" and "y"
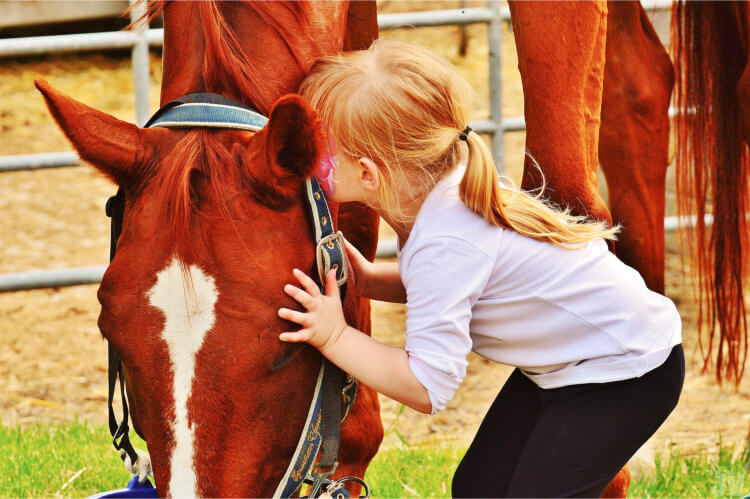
{"x": 597, "y": 87}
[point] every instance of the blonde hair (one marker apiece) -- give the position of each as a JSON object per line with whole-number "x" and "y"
{"x": 404, "y": 107}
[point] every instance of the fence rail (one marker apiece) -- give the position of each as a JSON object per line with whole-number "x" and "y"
{"x": 140, "y": 39}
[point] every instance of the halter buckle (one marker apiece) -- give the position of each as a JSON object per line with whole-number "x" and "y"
{"x": 327, "y": 257}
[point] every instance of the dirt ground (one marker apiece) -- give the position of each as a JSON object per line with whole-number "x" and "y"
{"x": 52, "y": 360}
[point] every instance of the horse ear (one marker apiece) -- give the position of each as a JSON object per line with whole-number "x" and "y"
{"x": 111, "y": 145}
{"x": 294, "y": 143}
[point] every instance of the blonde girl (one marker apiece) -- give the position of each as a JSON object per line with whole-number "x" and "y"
{"x": 484, "y": 266}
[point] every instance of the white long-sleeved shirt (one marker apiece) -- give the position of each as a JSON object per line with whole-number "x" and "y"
{"x": 562, "y": 316}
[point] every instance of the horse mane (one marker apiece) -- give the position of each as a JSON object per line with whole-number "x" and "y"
{"x": 226, "y": 63}
{"x": 713, "y": 166}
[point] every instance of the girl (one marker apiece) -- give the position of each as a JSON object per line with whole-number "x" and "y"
{"x": 490, "y": 268}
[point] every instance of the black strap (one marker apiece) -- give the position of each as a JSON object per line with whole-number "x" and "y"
{"x": 115, "y": 210}
{"x": 330, "y": 425}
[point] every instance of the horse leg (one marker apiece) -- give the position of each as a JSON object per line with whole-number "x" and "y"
{"x": 562, "y": 86}
{"x": 634, "y": 137}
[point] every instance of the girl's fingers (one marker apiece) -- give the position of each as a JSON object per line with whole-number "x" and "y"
{"x": 294, "y": 316}
{"x": 297, "y": 336}
{"x": 332, "y": 288}
{"x": 307, "y": 283}
{"x": 303, "y": 298}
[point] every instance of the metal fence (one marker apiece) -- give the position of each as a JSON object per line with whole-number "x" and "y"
{"x": 139, "y": 40}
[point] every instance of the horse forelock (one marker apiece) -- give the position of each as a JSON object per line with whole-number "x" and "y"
{"x": 198, "y": 162}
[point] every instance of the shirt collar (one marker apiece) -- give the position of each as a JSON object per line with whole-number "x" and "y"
{"x": 447, "y": 186}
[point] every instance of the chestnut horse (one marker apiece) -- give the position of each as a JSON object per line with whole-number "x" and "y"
{"x": 214, "y": 224}
{"x": 602, "y": 98}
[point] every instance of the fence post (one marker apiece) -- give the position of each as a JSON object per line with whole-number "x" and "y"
{"x": 141, "y": 68}
{"x": 494, "y": 41}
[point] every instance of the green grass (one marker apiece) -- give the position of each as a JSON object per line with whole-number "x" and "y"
{"x": 417, "y": 471}
{"x": 704, "y": 475}
{"x": 38, "y": 460}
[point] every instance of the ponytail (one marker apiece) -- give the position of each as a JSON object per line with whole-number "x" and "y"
{"x": 512, "y": 208}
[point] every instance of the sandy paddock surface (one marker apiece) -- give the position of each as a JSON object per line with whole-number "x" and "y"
{"x": 52, "y": 360}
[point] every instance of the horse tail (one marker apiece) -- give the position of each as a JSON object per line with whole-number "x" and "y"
{"x": 712, "y": 167}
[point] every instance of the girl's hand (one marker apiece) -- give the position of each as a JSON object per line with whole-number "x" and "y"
{"x": 324, "y": 321}
{"x": 363, "y": 268}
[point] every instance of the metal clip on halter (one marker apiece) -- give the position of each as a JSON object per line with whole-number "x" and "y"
{"x": 334, "y": 488}
{"x": 348, "y": 394}
{"x": 323, "y": 487}
{"x": 318, "y": 479}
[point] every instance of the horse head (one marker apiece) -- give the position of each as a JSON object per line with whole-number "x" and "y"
{"x": 214, "y": 223}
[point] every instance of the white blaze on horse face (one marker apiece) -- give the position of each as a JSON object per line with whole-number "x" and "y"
{"x": 187, "y": 299}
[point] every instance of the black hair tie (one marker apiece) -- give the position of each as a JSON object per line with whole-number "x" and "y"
{"x": 465, "y": 133}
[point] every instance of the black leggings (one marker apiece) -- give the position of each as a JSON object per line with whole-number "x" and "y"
{"x": 569, "y": 441}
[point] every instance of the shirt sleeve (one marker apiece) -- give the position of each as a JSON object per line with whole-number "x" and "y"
{"x": 445, "y": 277}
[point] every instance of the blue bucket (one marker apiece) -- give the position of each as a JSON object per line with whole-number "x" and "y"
{"x": 133, "y": 489}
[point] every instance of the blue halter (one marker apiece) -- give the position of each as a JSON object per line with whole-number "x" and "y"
{"x": 207, "y": 110}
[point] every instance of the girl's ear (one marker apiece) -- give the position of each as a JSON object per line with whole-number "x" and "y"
{"x": 113, "y": 146}
{"x": 369, "y": 175}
